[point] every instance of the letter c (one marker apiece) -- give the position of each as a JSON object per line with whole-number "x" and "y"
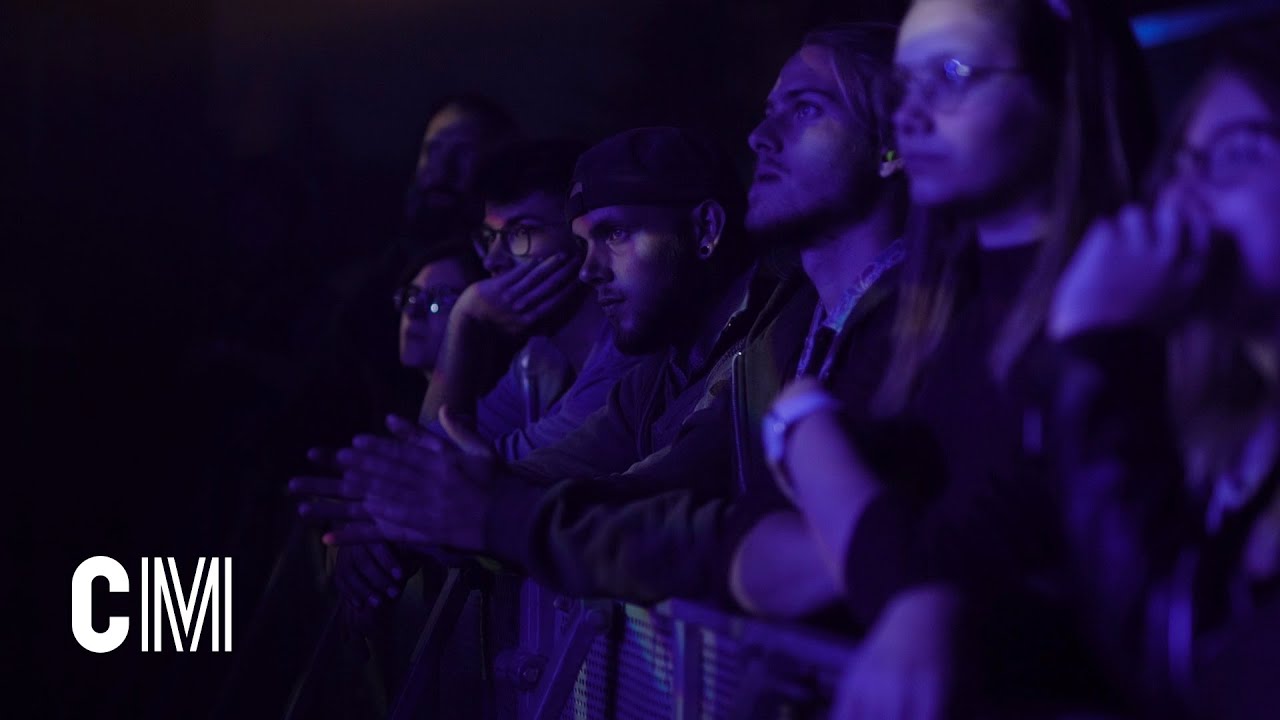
{"x": 82, "y": 604}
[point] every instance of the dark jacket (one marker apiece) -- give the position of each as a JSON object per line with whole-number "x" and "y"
{"x": 1165, "y": 607}
{"x": 663, "y": 527}
{"x": 549, "y": 513}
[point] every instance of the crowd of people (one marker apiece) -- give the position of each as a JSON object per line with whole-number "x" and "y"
{"x": 976, "y": 369}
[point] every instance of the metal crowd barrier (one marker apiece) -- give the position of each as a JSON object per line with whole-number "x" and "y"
{"x": 587, "y": 659}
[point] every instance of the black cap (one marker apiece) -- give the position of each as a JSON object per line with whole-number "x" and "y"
{"x": 654, "y": 166}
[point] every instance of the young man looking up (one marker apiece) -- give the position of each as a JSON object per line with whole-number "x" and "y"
{"x": 661, "y": 528}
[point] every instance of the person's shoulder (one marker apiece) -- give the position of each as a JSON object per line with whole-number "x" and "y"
{"x": 539, "y": 352}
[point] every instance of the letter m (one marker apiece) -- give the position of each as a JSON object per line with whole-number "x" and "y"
{"x": 214, "y": 604}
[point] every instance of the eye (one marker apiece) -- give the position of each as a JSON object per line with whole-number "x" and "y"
{"x": 617, "y": 235}
{"x": 956, "y": 72}
{"x": 806, "y": 110}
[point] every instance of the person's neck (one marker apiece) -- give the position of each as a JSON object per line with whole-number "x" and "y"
{"x": 579, "y": 333}
{"x": 838, "y": 256}
{"x": 1022, "y": 222}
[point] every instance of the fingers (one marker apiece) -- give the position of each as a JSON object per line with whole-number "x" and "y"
{"x": 506, "y": 280}
{"x": 322, "y": 457}
{"x": 382, "y": 460}
{"x": 548, "y": 281}
{"x": 518, "y": 293}
{"x": 355, "y": 586}
{"x": 463, "y": 435}
{"x": 544, "y": 307}
{"x": 411, "y": 432}
{"x": 374, "y": 455}
{"x": 378, "y": 583}
{"x": 387, "y": 561}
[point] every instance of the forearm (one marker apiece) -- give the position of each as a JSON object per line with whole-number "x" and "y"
{"x": 471, "y": 358}
{"x": 655, "y": 531}
{"x": 779, "y": 571}
{"x": 833, "y": 486}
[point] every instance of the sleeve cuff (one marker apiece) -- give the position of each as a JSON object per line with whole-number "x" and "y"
{"x": 513, "y": 506}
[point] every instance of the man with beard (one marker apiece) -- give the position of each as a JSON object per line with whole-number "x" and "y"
{"x": 826, "y": 191}
{"x": 658, "y": 212}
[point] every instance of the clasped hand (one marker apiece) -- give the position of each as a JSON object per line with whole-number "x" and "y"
{"x": 413, "y": 488}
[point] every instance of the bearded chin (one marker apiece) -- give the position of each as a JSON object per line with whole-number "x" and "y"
{"x": 797, "y": 229}
{"x": 789, "y": 226}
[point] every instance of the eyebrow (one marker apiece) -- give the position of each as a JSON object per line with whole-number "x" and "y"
{"x": 794, "y": 93}
{"x": 602, "y": 228}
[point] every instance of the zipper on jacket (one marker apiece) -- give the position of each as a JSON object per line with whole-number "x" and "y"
{"x": 738, "y": 406}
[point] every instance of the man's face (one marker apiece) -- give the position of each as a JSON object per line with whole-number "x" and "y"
{"x": 813, "y": 157}
{"x": 527, "y": 230}
{"x": 423, "y": 319}
{"x": 453, "y": 147}
{"x": 641, "y": 263}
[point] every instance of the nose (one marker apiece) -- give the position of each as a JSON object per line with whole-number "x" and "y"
{"x": 764, "y": 138}
{"x": 595, "y": 269}
{"x": 498, "y": 260}
{"x": 912, "y": 116}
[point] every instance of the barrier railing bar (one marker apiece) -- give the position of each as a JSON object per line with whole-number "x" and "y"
{"x": 594, "y": 618}
{"x": 425, "y": 663}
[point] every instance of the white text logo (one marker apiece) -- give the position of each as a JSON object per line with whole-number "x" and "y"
{"x": 209, "y": 601}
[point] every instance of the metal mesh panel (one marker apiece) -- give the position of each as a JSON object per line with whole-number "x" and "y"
{"x": 645, "y": 663}
{"x": 590, "y": 698}
{"x": 628, "y": 673}
{"x": 722, "y": 670}
{"x": 730, "y": 665}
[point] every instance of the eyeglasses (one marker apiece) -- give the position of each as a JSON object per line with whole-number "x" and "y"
{"x": 425, "y": 301}
{"x": 942, "y": 86}
{"x": 518, "y": 240}
{"x": 1231, "y": 152}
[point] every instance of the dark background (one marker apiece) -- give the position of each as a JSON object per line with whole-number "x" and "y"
{"x": 187, "y": 189}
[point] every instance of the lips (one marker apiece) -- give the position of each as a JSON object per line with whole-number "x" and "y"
{"x": 609, "y": 303}
{"x": 767, "y": 171}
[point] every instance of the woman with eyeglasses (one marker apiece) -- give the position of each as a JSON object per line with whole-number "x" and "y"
{"x": 439, "y": 277}
{"x": 1169, "y": 317}
{"x": 1017, "y": 121}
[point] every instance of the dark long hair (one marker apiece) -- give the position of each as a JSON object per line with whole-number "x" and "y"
{"x": 1084, "y": 59}
{"x": 1217, "y": 380}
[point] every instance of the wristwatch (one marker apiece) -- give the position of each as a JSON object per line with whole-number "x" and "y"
{"x": 779, "y": 421}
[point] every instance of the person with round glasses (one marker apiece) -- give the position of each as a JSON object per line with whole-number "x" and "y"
{"x": 527, "y": 354}
{"x": 439, "y": 278}
{"x": 1169, "y": 322}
